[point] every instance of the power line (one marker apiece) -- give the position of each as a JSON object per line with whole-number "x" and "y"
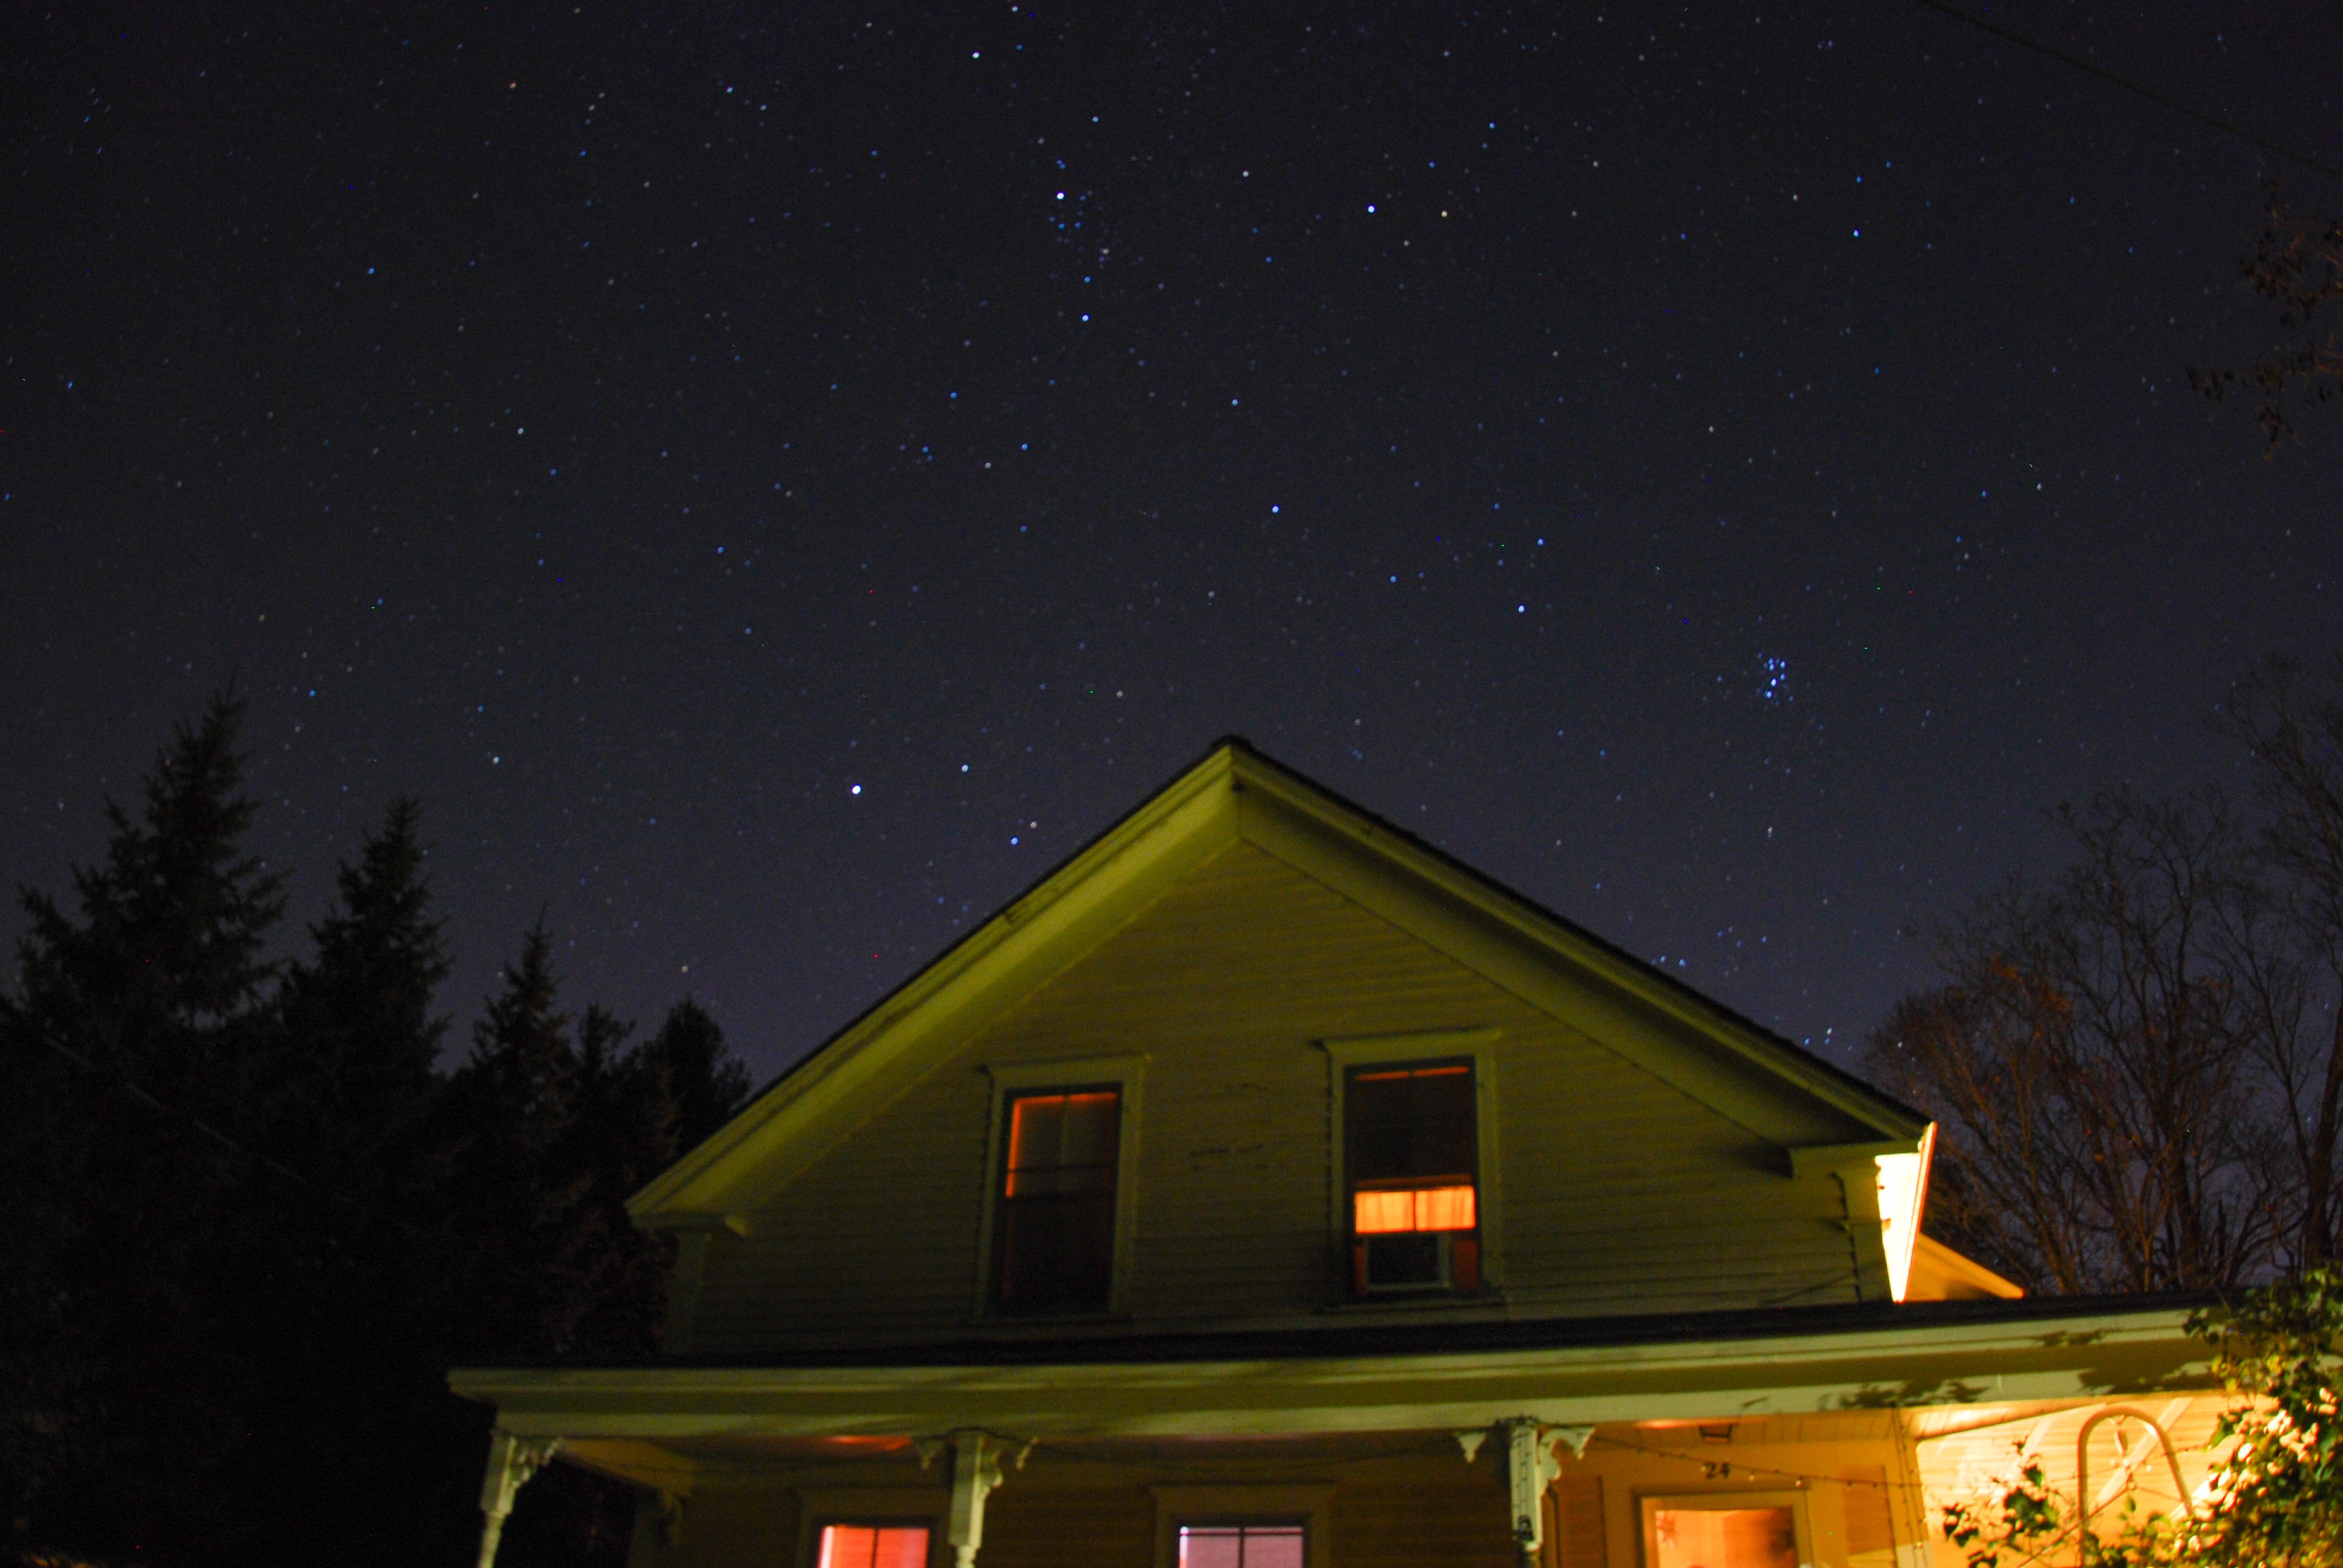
{"x": 2127, "y": 85}
{"x": 216, "y": 1136}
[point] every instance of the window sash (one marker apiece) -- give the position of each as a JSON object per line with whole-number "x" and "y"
{"x": 1242, "y": 1544}
{"x": 874, "y": 1543}
{"x": 1411, "y": 1148}
{"x": 1054, "y": 1214}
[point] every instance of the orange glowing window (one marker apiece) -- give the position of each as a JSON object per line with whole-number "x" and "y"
{"x": 874, "y": 1546}
{"x": 1378, "y": 1213}
{"x": 1411, "y": 1167}
{"x": 1053, "y": 1243}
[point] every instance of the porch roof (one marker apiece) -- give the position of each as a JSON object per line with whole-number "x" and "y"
{"x": 1384, "y": 1376}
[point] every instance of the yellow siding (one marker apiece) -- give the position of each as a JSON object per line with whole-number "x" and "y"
{"x": 1573, "y": 1523}
{"x": 1619, "y": 1193}
{"x": 1455, "y": 1517}
{"x": 1870, "y": 1516}
{"x": 749, "y": 1527}
{"x": 1110, "y": 1526}
{"x": 1414, "y": 1502}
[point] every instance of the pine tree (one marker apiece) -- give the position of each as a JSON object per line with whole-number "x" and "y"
{"x": 707, "y": 1083}
{"x": 547, "y": 1127}
{"x": 506, "y": 1112}
{"x": 349, "y": 1406}
{"x": 359, "y": 1021}
{"x": 137, "y": 1043}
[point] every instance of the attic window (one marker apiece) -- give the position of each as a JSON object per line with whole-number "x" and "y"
{"x": 1055, "y": 1225}
{"x": 1412, "y": 1169}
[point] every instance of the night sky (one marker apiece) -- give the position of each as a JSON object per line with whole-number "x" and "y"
{"x": 773, "y": 480}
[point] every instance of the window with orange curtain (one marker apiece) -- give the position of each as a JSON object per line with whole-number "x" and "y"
{"x": 1411, "y": 1163}
{"x": 874, "y": 1546}
{"x": 1054, "y": 1231}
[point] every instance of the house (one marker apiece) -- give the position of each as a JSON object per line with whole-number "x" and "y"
{"x": 1264, "y": 1188}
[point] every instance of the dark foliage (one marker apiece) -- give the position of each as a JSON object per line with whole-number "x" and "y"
{"x": 253, "y": 1221}
{"x": 2137, "y": 1062}
{"x": 2300, "y": 265}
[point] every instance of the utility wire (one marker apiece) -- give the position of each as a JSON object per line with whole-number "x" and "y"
{"x": 222, "y": 1139}
{"x": 2127, "y": 85}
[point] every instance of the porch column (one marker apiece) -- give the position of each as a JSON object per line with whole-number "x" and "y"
{"x": 512, "y": 1462}
{"x": 1530, "y": 1467}
{"x": 975, "y": 1471}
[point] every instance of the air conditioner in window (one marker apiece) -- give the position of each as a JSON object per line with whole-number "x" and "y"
{"x": 1407, "y": 1261}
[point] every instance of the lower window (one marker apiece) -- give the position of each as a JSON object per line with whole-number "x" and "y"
{"x": 1723, "y": 1530}
{"x": 874, "y": 1545}
{"x": 1242, "y": 1545}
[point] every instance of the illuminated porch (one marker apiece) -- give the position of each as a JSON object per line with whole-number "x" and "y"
{"x": 1844, "y": 1431}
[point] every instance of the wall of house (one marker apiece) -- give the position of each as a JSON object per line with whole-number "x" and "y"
{"x": 1619, "y": 1193}
{"x": 1417, "y": 1502}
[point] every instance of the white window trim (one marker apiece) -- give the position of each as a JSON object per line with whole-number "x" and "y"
{"x": 1474, "y": 1045}
{"x": 1649, "y": 1504}
{"x": 1312, "y": 1502}
{"x": 820, "y": 1505}
{"x": 1010, "y": 1078}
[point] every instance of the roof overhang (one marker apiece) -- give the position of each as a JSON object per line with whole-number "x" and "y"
{"x": 1943, "y": 1361}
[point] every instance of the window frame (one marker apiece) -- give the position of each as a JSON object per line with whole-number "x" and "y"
{"x": 1310, "y": 1505}
{"x": 1017, "y": 1080}
{"x": 821, "y": 1507}
{"x": 1720, "y": 1501}
{"x": 1348, "y": 1054}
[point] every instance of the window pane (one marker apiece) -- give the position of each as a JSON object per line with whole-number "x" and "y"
{"x": 874, "y": 1546}
{"x": 1036, "y": 1127}
{"x": 1407, "y": 1259}
{"x": 1381, "y": 1213}
{"x": 1410, "y": 1121}
{"x": 1090, "y": 1128}
{"x": 901, "y": 1547}
{"x": 1444, "y": 1209}
{"x": 1724, "y": 1538}
{"x": 848, "y": 1545}
{"x": 1057, "y": 1252}
{"x": 1241, "y": 1546}
{"x": 1275, "y": 1547}
{"x": 1054, "y": 1245}
{"x": 1209, "y": 1548}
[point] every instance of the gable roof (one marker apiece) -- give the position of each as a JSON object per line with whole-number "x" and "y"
{"x": 1734, "y": 1066}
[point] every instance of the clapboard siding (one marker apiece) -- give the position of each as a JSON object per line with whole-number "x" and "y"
{"x": 1086, "y": 1527}
{"x": 1459, "y": 1521}
{"x": 1619, "y": 1193}
{"x": 750, "y": 1527}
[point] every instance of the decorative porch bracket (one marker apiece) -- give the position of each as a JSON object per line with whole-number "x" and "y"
{"x": 1530, "y": 1467}
{"x": 512, "y": 1462}
{"x": 975, "y": 1471}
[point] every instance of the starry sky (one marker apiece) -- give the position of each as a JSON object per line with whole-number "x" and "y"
{"x": 774, "y": 479}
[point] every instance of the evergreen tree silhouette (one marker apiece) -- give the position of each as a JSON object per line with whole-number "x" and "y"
{"x": 142, "y": 1025}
